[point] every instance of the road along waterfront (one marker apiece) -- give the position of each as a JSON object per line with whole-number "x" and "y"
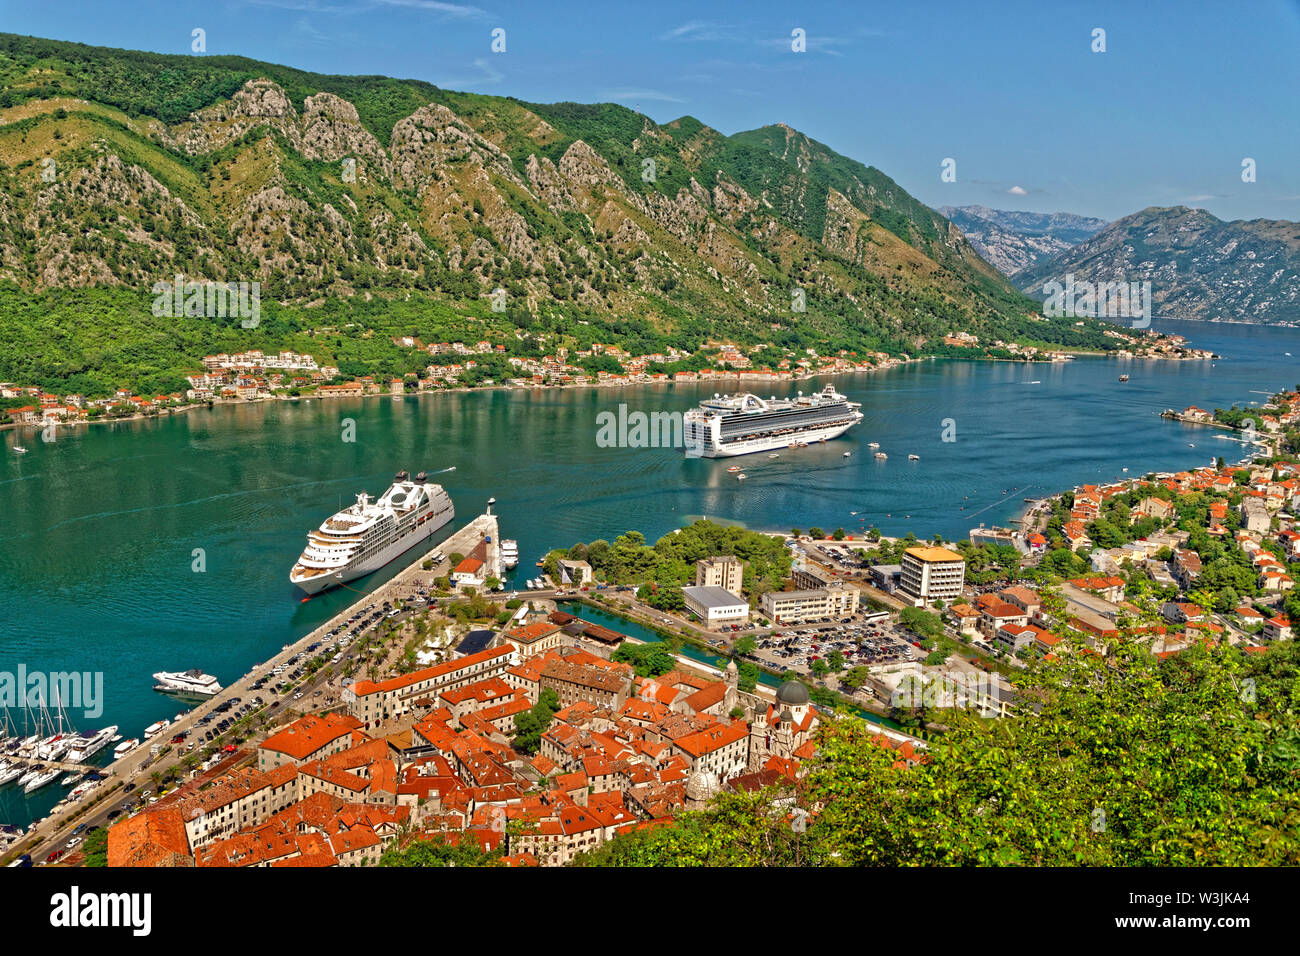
{"x": 53, "y": 831}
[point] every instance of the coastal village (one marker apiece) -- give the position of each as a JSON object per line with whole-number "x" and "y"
{"x": 253, "y": 375}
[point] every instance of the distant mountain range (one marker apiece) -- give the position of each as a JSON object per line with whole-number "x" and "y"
{"x": 1199, "y": 266}
{"x": 1014, "y": 241}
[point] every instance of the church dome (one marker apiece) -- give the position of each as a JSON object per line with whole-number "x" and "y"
{"x": 701, "y": 785}
{"x": 792, "y": 693}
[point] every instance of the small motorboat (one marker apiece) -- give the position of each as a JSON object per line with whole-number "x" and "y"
{"x": 1123, "y": 378}
{"x": 873, "y": 444}
{"x": 913, "y": 457}
{"x": 741, "y": 476}
{"x": 734, "y": 468}
{"x": 774, "y": 455}
{"x": 848, "y": 454}
{"x": 19, "y": 450}
{"x": 881, "y": 456}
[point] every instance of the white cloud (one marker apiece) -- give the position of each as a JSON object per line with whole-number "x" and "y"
{"x": 453, "y": 10}
{"x": 1018, "y": 191}
{"x": 698, "y": 31}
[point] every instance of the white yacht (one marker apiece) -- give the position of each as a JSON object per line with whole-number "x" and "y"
{"x": 154, "y": 729}
{"x": 83, "y": 748}
{"x": 43, "y": 778}
{"x": 191, "y": 683}
{"x": 728, "y": 425}
{"x": 369, "y": 534}
{"x": 125, "y": 747}
{"x": 509, "y": 553}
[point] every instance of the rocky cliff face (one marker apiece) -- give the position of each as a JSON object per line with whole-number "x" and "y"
{"x": 317, "y": 189}
{"x": 1199, "y": 267}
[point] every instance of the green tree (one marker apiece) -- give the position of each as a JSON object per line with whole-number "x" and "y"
{"x": 531, "y": 724}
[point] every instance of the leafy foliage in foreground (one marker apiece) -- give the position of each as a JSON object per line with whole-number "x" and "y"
{"x": 1131, "y": 761}
{"x": 440, "y": 853}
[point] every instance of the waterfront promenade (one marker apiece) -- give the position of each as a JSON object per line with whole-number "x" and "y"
{"x": 53, "y": 831}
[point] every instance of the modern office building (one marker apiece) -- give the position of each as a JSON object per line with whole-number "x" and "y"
{"x": 716, "y": 606}
{"x": 839, "y": 600}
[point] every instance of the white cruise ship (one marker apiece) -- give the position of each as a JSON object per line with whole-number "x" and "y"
{"x": 192, "y": 683}
{"x": 369, "y": 534}
{"x": 509, "y": 553}
{"x": 729, "y": 425}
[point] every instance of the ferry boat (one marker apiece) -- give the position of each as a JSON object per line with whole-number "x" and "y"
{"x": 191, "y": 683}
{"x": 509, "y": 553}
{"x": 729, "y": 425}
{"x": 125, "y": 747}
{"x": 370, "y": 534}
{"x": 154, "y": 729}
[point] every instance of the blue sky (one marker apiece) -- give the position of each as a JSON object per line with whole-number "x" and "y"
{"x": 1011, "y": 91}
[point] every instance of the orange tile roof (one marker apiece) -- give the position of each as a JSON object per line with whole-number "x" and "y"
{"x": 715, "y": 738}
{"x": 309, "y": 734}
{"x": 365, "y": 687}
{"x": 150, "y": 838}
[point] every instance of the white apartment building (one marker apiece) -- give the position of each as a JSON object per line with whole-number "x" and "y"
{"x": 932, "y": 574}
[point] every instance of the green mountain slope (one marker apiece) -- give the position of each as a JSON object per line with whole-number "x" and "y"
{"x": 120, "y": 169}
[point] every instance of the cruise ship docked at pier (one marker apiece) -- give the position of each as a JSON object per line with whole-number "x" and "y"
{"x": 729, "y": 425}
{"x": 369, "y": 534}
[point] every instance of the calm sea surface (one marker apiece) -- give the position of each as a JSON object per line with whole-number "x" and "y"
{"x": 101, "y": 526}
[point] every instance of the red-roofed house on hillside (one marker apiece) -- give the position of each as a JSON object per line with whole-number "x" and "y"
{"x": 1277, "y": 628}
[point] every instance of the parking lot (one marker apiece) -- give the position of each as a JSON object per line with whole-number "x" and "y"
{"x": 861, "y": 644}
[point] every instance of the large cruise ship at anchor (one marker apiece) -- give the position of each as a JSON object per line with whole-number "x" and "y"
{"x": 729, "y": 425}
{"x": 369, "y": 534}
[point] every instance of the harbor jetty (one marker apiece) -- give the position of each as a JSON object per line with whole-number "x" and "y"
{"x": 136, "y": 765}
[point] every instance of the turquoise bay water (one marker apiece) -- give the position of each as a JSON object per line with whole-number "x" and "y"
{"x": 97, "y": 549}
